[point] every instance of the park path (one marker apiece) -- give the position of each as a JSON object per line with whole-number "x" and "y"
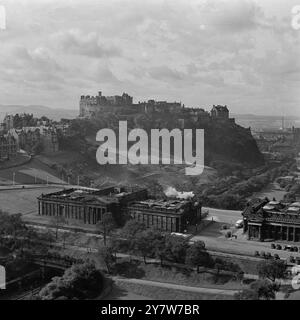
{"x": 168, "y": 285}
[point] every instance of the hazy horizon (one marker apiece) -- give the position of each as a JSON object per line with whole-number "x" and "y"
{"x": 242, "y": 53}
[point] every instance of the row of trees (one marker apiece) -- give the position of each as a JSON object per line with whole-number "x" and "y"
{"x": 231, "y": 192}
{"x": 136, "y": 239}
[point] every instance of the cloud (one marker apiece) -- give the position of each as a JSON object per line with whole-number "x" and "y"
{"x": 75, "y": 41}
{"x": 242, "y": 53}
{"x": 233, "y": 16}
{"x": 165, "y": 73}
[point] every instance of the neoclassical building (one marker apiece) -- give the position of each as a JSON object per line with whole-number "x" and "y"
{"x": 87, "y": 206}
{"x": 272, "y": 220}
{"x": 172, "y": 215}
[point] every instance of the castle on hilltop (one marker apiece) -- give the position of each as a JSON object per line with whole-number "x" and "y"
{"x": 91, "y": 105}
{"x": 94, "y": 106}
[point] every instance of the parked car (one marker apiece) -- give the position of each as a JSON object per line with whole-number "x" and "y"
{"x": 296, "y": 249}
{"x": 273, "y": 246}
{"x": 278, "y": 247}
{"x": 256, "y": 254}
{"x": 276, "y": 256}
{"x": 239, "y": 223}
{"x": 287, "y": 248}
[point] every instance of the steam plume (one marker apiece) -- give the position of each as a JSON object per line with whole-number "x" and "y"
{"x": 172, "y": 192}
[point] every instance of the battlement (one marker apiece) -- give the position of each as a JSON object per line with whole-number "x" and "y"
{"x": 91, "y": 105}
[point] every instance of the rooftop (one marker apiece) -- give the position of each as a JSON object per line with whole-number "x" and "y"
{"x": 172, "y": 204}
{"x": 276, "y": 207}
{"x": 106, "y": 196}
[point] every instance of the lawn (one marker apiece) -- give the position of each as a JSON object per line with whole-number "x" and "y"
{"x": 22, "y": 201}
{"x": 30, "y": 173}
{"x": 139, "y": 270}
{"x": 166, "y": 293}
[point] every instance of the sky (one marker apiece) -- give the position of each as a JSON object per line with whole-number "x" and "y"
{"x": 240, "y": 53}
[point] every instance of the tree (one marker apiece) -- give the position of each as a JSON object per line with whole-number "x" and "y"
{"x": 259, "y": 290}
{"x": 65, "y": 235}
{"x": 38, "y": 147}
{"x": 159, "y": 246}
{"x": 57, "y": 222}
{"x": 132, "y": 228}
{"x": 175, "y": 248}
{"x": 271, "y": 269}
{"x": 12, "y": 225}
{"x": 81, "y": 281}
{"x": 265, "y": 289}
{"x": 129, "y": 234}
{"x": 106, "y": 225}
{"x": 119, "y": 245}
{"x": 105, "y": 255}
{"x": 196, "y": 255}
{"x": 147, "y": 241}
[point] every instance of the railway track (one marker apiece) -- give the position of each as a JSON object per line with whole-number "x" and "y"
{"x": 27, "y": 294}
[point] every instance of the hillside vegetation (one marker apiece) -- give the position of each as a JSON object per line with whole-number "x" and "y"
{"x": 224, "y": 141}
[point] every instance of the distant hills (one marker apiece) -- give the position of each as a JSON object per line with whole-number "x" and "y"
{"x": 258, "y": 122}
{"x": 38, "y": 111}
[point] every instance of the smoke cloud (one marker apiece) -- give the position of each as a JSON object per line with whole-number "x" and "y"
{"x": 172, "y": 192}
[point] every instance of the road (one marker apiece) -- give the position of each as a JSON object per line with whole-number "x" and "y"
{"x": 241, "y": 246}
{"x": 222, "y": 215}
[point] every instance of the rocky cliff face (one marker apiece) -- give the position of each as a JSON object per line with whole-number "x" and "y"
{"x": 224, "y": 141}
{"x": 231, "y": 142}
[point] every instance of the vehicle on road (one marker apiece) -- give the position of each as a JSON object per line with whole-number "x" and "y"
{"x": 239, "y": 223}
